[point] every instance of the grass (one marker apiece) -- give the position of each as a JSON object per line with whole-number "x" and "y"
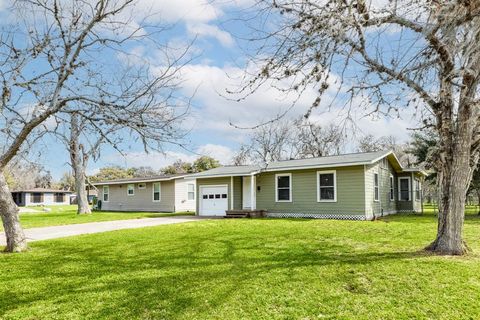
{"x": 430, "y": 208}
{"x": 62, "y": 215}
{"x": 246, "y": 269}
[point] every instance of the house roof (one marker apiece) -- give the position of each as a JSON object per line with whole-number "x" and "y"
{"x": 163, "y": 177}
{"x": 42, "y": 190}
{"x": 227, "y": 171}
{"x": 416, "y": 170}
{"x": 350, "y": 159}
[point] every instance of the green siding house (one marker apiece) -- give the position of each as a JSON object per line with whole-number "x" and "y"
{"x": 359, "y": 186}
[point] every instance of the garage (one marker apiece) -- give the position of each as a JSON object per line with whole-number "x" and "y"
{"x": 213, "y": 200}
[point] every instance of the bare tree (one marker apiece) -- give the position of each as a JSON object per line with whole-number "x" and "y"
{"x": 26, "y": 174}
{"x": 370, "y": 143}
{"x": 84, "y": 136}
{"x": 267, "y": 143}
{"x": 313, "y": 140}
{"x": 419, "y": 53}
{"x": 73, "y": 57}
{"x": 285, "y": 140}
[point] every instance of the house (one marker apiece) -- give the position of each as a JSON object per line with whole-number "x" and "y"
{"x": 357, "y": 186}
{"x": 41, "y": 196}
{"x": 92, "y": 193}
{"x": 164, "y": 193}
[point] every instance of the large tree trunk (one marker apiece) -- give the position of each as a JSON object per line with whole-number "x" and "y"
{"x": 478, "y": 200}
{"x": 452, "y": 186}
{"x": 16, "y": 241}
{"x": 454, "y": 176}
{"x": 80, "y": 187}
{"x": 79, "y": 162}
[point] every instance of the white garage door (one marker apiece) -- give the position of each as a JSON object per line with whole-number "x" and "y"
{"x": 213, "y": 200}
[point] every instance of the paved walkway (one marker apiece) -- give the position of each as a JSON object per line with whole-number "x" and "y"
{"x": 45, "y": 233}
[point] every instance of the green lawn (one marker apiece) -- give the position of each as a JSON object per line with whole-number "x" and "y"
{"x": 61, "y": 215}
{"x": 246, "y": 269}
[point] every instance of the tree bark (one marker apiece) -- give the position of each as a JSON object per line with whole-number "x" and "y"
{"x": 16, "y": 241}
{"x": 79, "y": 162}
{"x": 478, "y": 200}
{"x": 454, "y": 177}
{"x": 80, "y": 186}
{"x": 451, "y": 213}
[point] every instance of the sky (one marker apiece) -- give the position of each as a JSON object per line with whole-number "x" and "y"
{"x": 218, "y": 61}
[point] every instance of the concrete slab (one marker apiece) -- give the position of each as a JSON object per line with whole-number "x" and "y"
{"x": 45, "y": 233}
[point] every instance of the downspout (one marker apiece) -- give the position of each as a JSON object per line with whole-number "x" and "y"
{"x": 365, "y": 190}
{"x": 253, "y": 195}
{"x": 231, "y": 191}
{"x": 413, "y": 192}
{"x": 421, "y": 195}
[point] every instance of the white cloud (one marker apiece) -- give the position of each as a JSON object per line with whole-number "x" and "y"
{"x": 208, "y": 30}
{"x": 199, "y": 16}
{"x": 158, "y": 160}
{"x": 178, "y": 10}
{"x": 219, "y": 152}
{"x": 213, "y": 112}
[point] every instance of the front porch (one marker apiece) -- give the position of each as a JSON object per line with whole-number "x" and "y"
{"x": 246, "y": 213}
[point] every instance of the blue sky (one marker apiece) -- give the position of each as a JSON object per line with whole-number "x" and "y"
{"x": 218, "y": 61}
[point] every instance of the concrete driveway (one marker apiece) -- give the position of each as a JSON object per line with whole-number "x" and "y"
{"x": 45, "y": 233}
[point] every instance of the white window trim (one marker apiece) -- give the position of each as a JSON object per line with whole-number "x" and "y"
{"x": 391, "y": 187}
{"x": 188, "y": 192}
{"x": 276, "y": 186}
{"x": 334, "y": 185}
{"x": 376, "y": 187}
{"x": 409, "y": 189}
{"x": 415, "y": 189}
{"x": 159, "y": 192}
{"x": 128, "y": 186}
{"x": 108, "y": 193}
{"x": 142, "y": 184}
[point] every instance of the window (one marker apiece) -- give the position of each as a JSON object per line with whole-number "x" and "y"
{"x": 191, "y": 191}
{"x": 404, "y": 189}
{"x": 106, "y": 191}
{"x": 130, "y": 189}
{"x": 327, "y": 186}
{"x": 376, "y": 191}
{"x": 283, "y": 187}
{"x": 156, "y": 192}
{"x": 142, "y": 186}
{"x": 59, "y": 197}
{"x": 224, "y": 196}
{"x": 37, "y": 197}
{"x": 417, "y": 190}
{"x": 392, "y": 191}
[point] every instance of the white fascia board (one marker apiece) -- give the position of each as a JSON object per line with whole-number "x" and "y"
{"x": 349, "y": 164}
{"x": 130, "y": 181}
{"x": 222, "y": 175}
{"x": 423, "y": 172}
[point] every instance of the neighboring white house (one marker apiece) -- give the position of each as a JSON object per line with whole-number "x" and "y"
{"x": 41, "y": 196}
{"x": 163, "y": 193}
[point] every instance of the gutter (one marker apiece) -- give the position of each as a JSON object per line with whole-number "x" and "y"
{"x": 106, "y": 183}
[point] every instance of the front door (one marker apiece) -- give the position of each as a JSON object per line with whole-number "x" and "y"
{"x": 247, "y": 193}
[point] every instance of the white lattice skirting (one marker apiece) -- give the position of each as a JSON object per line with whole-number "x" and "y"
{"x": 317, "y": 216}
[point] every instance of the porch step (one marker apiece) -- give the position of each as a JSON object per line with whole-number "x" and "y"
{"x": 236, "y": 214}
{"x": 245, "y": 213}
